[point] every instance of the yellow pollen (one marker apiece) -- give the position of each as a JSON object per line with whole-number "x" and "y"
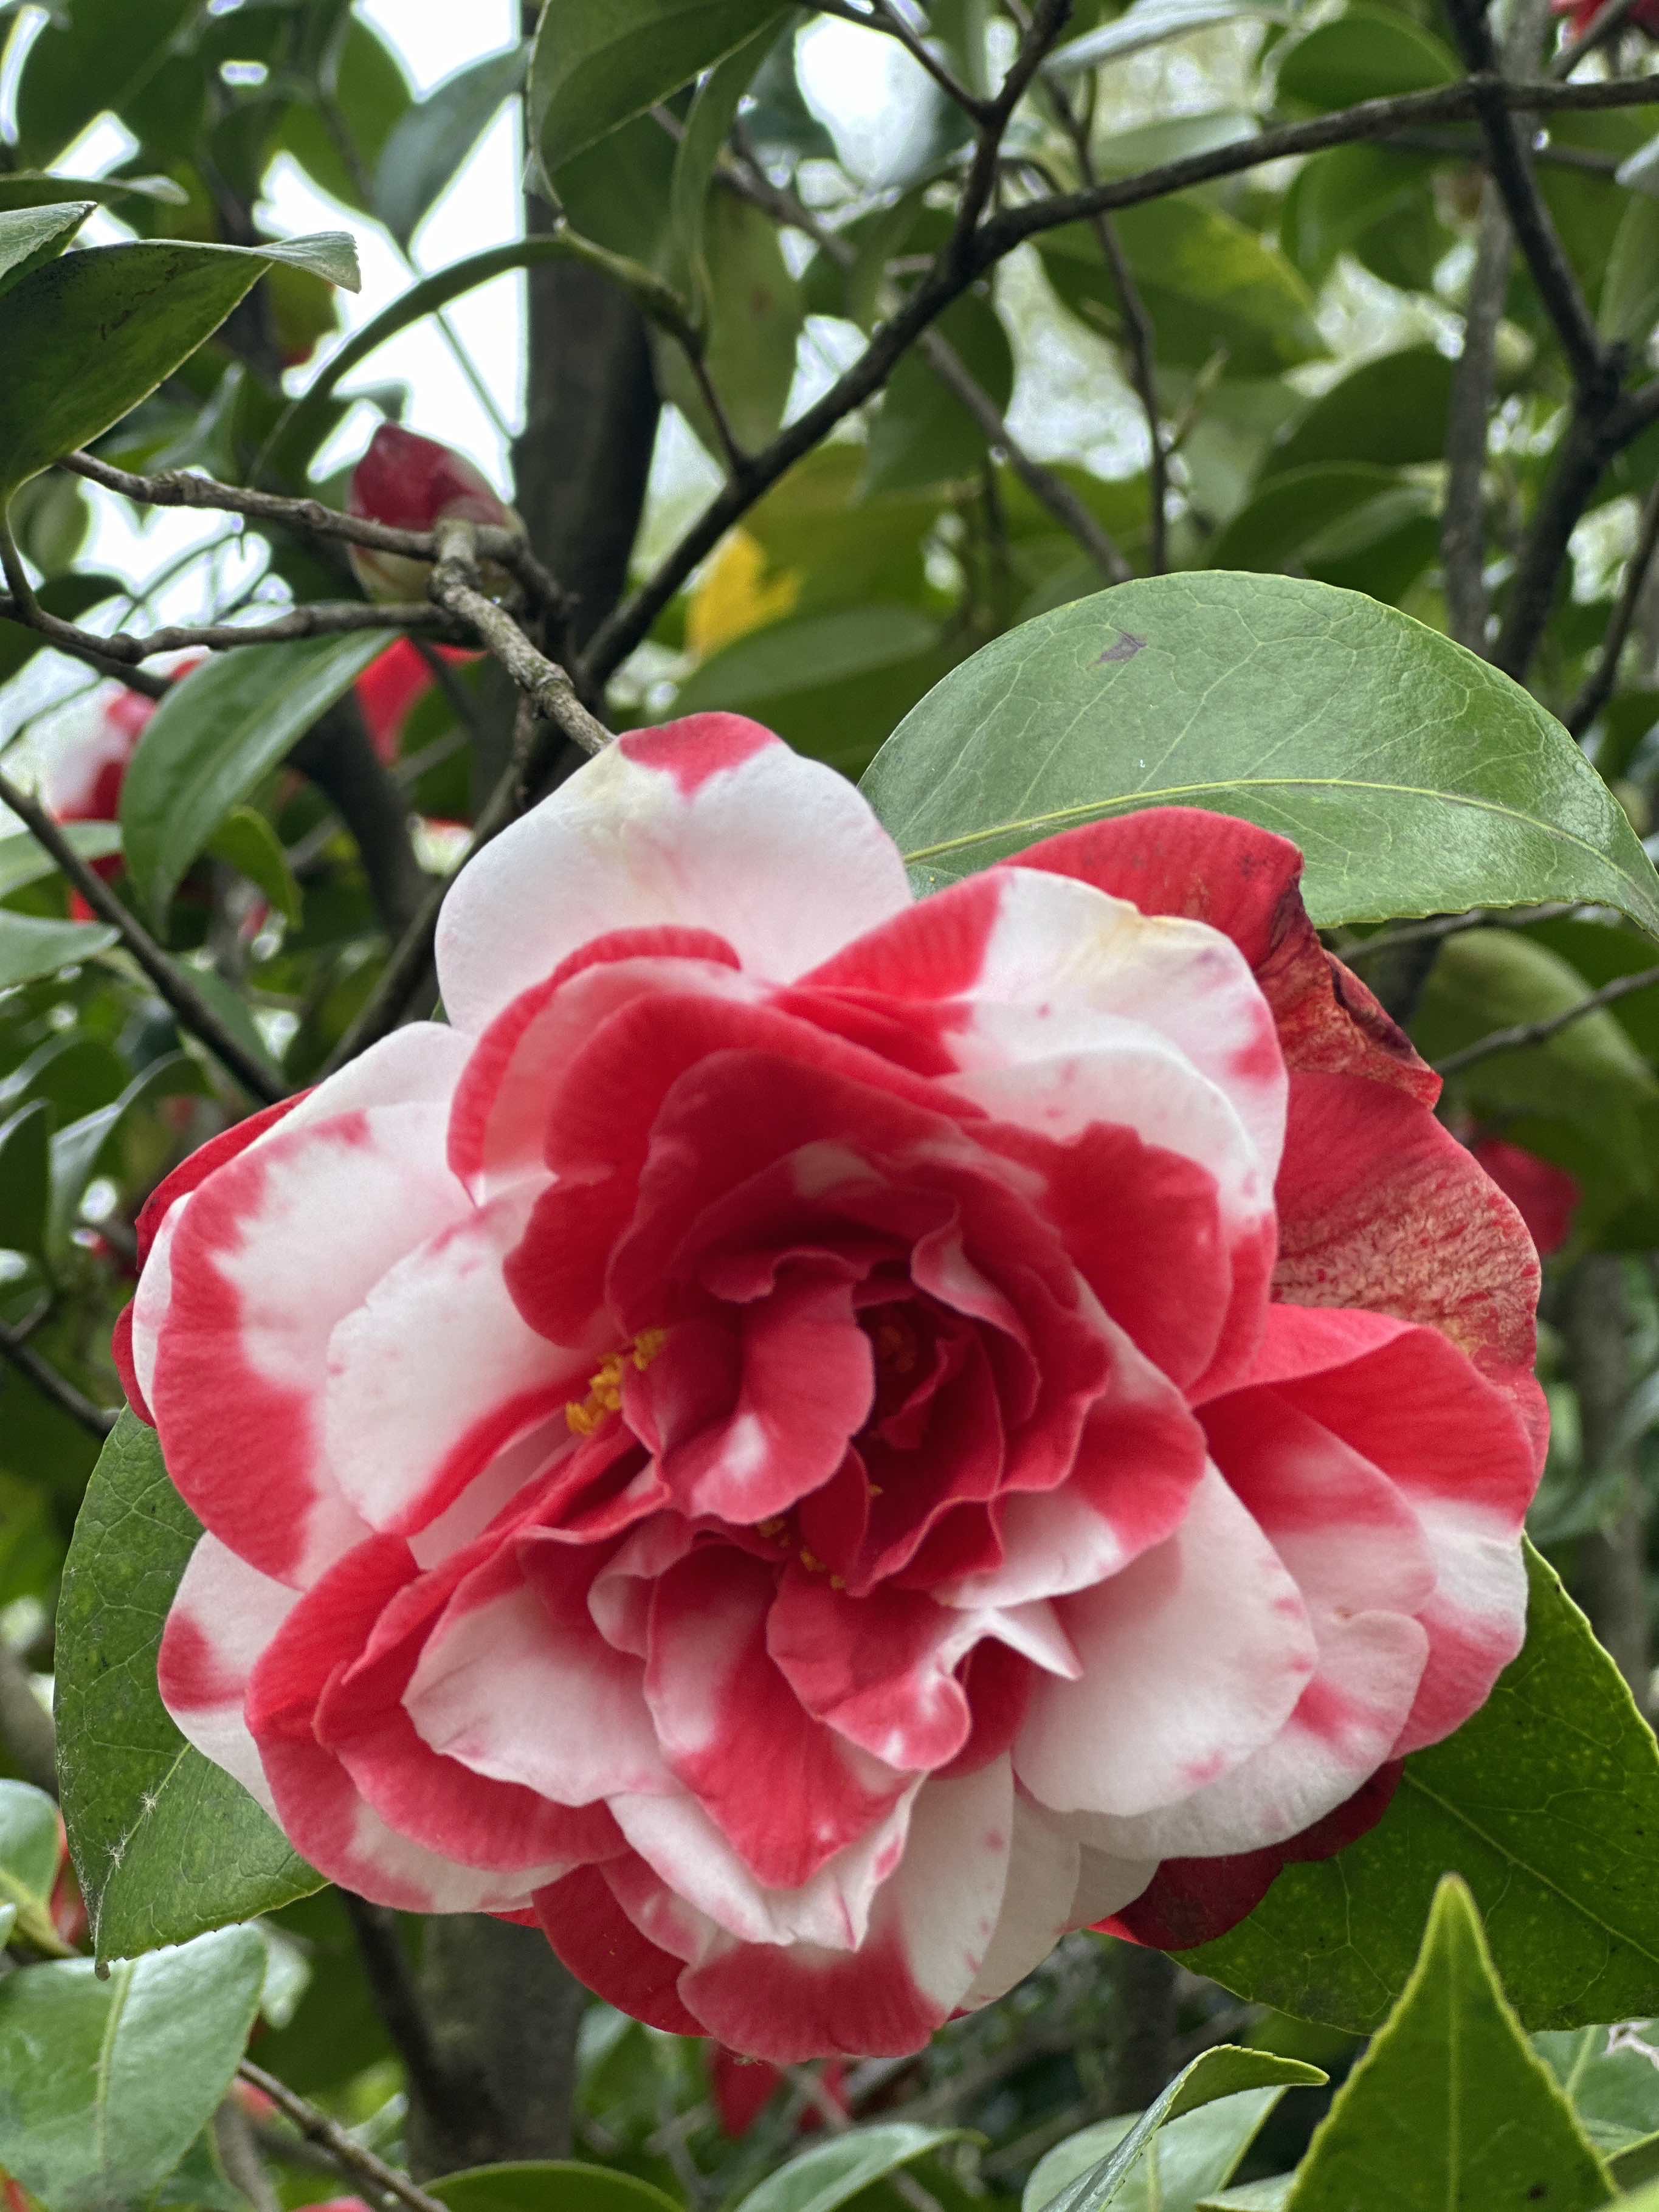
{"x": 772, "y": 1529}
{"x": 811, "y": 1562}
{"x": 604, "y": 1386}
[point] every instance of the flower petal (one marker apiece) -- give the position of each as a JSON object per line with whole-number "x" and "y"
{"x": 223, "y": 1615}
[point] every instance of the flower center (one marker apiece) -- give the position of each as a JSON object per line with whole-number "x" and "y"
{"x": 604, "y": 1386}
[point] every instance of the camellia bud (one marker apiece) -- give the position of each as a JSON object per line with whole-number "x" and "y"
{"x": 411, "y": 483}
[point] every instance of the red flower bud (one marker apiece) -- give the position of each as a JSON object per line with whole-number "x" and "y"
{"x": 392, "y": 687}
{"x": 412, "y": 482}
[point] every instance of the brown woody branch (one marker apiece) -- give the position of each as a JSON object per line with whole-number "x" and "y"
{"x": 171, "y": 984}
{"x": 455, "y": 589}
{"x": 20, "y": 1353}
{"x": 119, "y": 654}
{"x": 348, "y": 2154}
{"x": 1598, "y": 686}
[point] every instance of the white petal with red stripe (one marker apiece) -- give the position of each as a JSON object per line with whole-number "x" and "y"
{"x": 223, "y": 1614}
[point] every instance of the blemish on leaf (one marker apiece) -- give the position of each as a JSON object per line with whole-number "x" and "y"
{"x": 1126, "y": 648}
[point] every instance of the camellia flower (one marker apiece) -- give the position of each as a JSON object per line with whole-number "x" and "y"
{"x": 411, "y": 483}
{"x": 393, "y": 685}
{"x": 1583, "y": 13}
{"x": 1545, "y": 1196}
{"x": 811, "y": 1443}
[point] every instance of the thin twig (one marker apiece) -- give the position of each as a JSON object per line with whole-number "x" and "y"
{"x": 891, "y": 24}
{"x": 1463, "y": 521}
{"x": 1520, "y": 1034}
{"x": 171, "y": 981}
{"x": 508, "y": 548}
{"x": 1598, "y": 685}
{"x": 319, "y": 618}
{"x": 26, "y": 1726}
{"x": 386, "y": 1969}
{"x": 347, "y": 2153}
{"x": 97, "y": 1421}
{"x": 1453, "y": 925}
{"x": 454, "y": 588}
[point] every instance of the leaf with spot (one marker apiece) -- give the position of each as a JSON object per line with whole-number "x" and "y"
{"x": 165, "y": 1844}
{"x": 1416, "y": 778}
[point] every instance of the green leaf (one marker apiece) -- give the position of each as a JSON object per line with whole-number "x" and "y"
{"x": 1450, "y": 2106}
{"x": 77, "y": 1149}
{"x": 108, "y": 2083}
{"x": 707, "y": 126}
{"x": 1267, "y": 2196}
{"x": 1545, "y": 1803}
{"x": 28, "y": 1862}
{"x": 30, "y": 946}
{"x": 1611, "y": 2076}
{"x": 1416, "y": 778}
{"x": 1629, "y": 290}
{"x": 548, "y": 2186}
{"x": 29, "y": 188}
{"x": 88, "y": 335}
{"x": 87, "y": 59}
{"x": 1185, "y": 2161}
{"x": 1293, "y": 510}
{"x": 165, "y": 1844}
{"x": 922, "y": 434}
{"x": 599, "y": 63}
{"x": 1366, "y": 53}
{"x": 245, "y": 841}
{"x": 1207, "y": 282}
{"x": 1372, "y": 201}
{"x": 30, "y": 235}
{"x": 1151, "y": 23}
{"x": 215, "y": 736}
{"x": 754, "y": 317}
{"x": 819, "y": 2179}
{"x": 25, "y": 1179}
{"x": 1223, "y": 2071}
{"x": 1390, "y": 410}
{"x": 363, "y": 78}
{"x": 433, "y": 138}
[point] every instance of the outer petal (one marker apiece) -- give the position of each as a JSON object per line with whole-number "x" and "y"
{"x": 1246, "y": 882}
{"x": 224, "y": 1613}
{"x": 708, "y": 823}
{"x": 1193, "y": 1657}
{"x": 434, "y": 1374}
{"x": 929, "y": 1936}
{"x": 255, "y": 1290}
{"x": 1044, "y": 1863}
{"x": 595, "y": 1938}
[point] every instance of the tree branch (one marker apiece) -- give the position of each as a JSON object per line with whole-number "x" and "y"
{"x": 888, "y": 20}
{"x": 319, "y": 618}
{"x": 348, "y": 2154}
{"x": 26, "y": 1726}
{"x": 170, "y": 982}
{"x": 1607, "y": 25}
{"x": 1598, "y": 685}
{"x": 392, "y": 1984}
{"x": 1520, "y": 1034}
{"x": 454, "y": 588}
{"x": 1463, "y": 521}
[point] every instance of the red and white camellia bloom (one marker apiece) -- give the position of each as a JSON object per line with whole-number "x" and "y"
{"x": 811, "y": 1442}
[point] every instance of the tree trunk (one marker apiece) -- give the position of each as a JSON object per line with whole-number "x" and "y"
{"x": 1610, "y": 1580}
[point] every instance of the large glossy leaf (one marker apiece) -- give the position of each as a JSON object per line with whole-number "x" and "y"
{"x": 1365, "y": 53}
{"x": 32, "y": 946}
{"x": 433, "y": 138}
{"x": 88, "y": 335}
{"x": 1224, "y": 2071}
{"x": 753, "y": 322}
{"x": 1450, "y": 2106}
{"x": 548, "y": 2186}
{"x": 598, "y": 63}
{"x": 165, "y": 1844}
{"x": 1416, "y": 778}
{"x": 30, "y": 235}
{"x": 106, "y": 2084}
{"x": 25, "y": 1178}
{"x": 1390, "y": 410}
{"x": 1186, "y": 2159}
{"x": 28, "y": 1861}
{"x": 1293, "y": 512}
{"x": 820, "y": 2180}
{"x": 1543, "y": 1802}
{"x": 215, "y": 736}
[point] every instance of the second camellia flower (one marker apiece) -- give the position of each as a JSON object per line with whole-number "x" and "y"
{"x": 811, "y": 1443}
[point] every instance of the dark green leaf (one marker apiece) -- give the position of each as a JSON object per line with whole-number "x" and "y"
{"x": 245, "y": 841}
{"x": 77, "y": 1149}
{"x": 753, "y": 322}
{"x": 707, "y": 129}
{"x": 1629, "y": 290}
{"x": 1293, "y": 510}
{"x": 1150, "y": 23}
{"x": 1546, "y": 1802}
{"x": 215, "y": 736}
{"x": 30, "y": 235}
{"x": 108, "y": 2084}
{"x": 1450, "y": 2106}
{"x": 548, "y": 2186}
{"x": 1415, "y": 777}
{"x": 598, "y": 63}
{"x": 922, "y": 434}
{"x": 1223, "y": 2071}
{"x": 1390, "y": 410}
{"x": 165, "y": 1844}
{"x": 1187, "y": 2158}
{"x": 88, "y": 335}
{"x": 434, "y": 137}
{"x": 1369, "y": 201}
{"x": 30, "y": 946}
{"x": 820, "y": 2180}
{"x": 1366, "y": 53}
{"x": 89, "y": 59}
{"x": 367, "y": 95}
{"x": 25, "y": 188}
{"x": 25, "y": 1179}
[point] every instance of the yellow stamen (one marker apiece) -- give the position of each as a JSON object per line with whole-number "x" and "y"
{"x": 604, "y": 1387}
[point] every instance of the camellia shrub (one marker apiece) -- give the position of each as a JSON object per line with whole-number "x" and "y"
{"x": 828, "y": 1249}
